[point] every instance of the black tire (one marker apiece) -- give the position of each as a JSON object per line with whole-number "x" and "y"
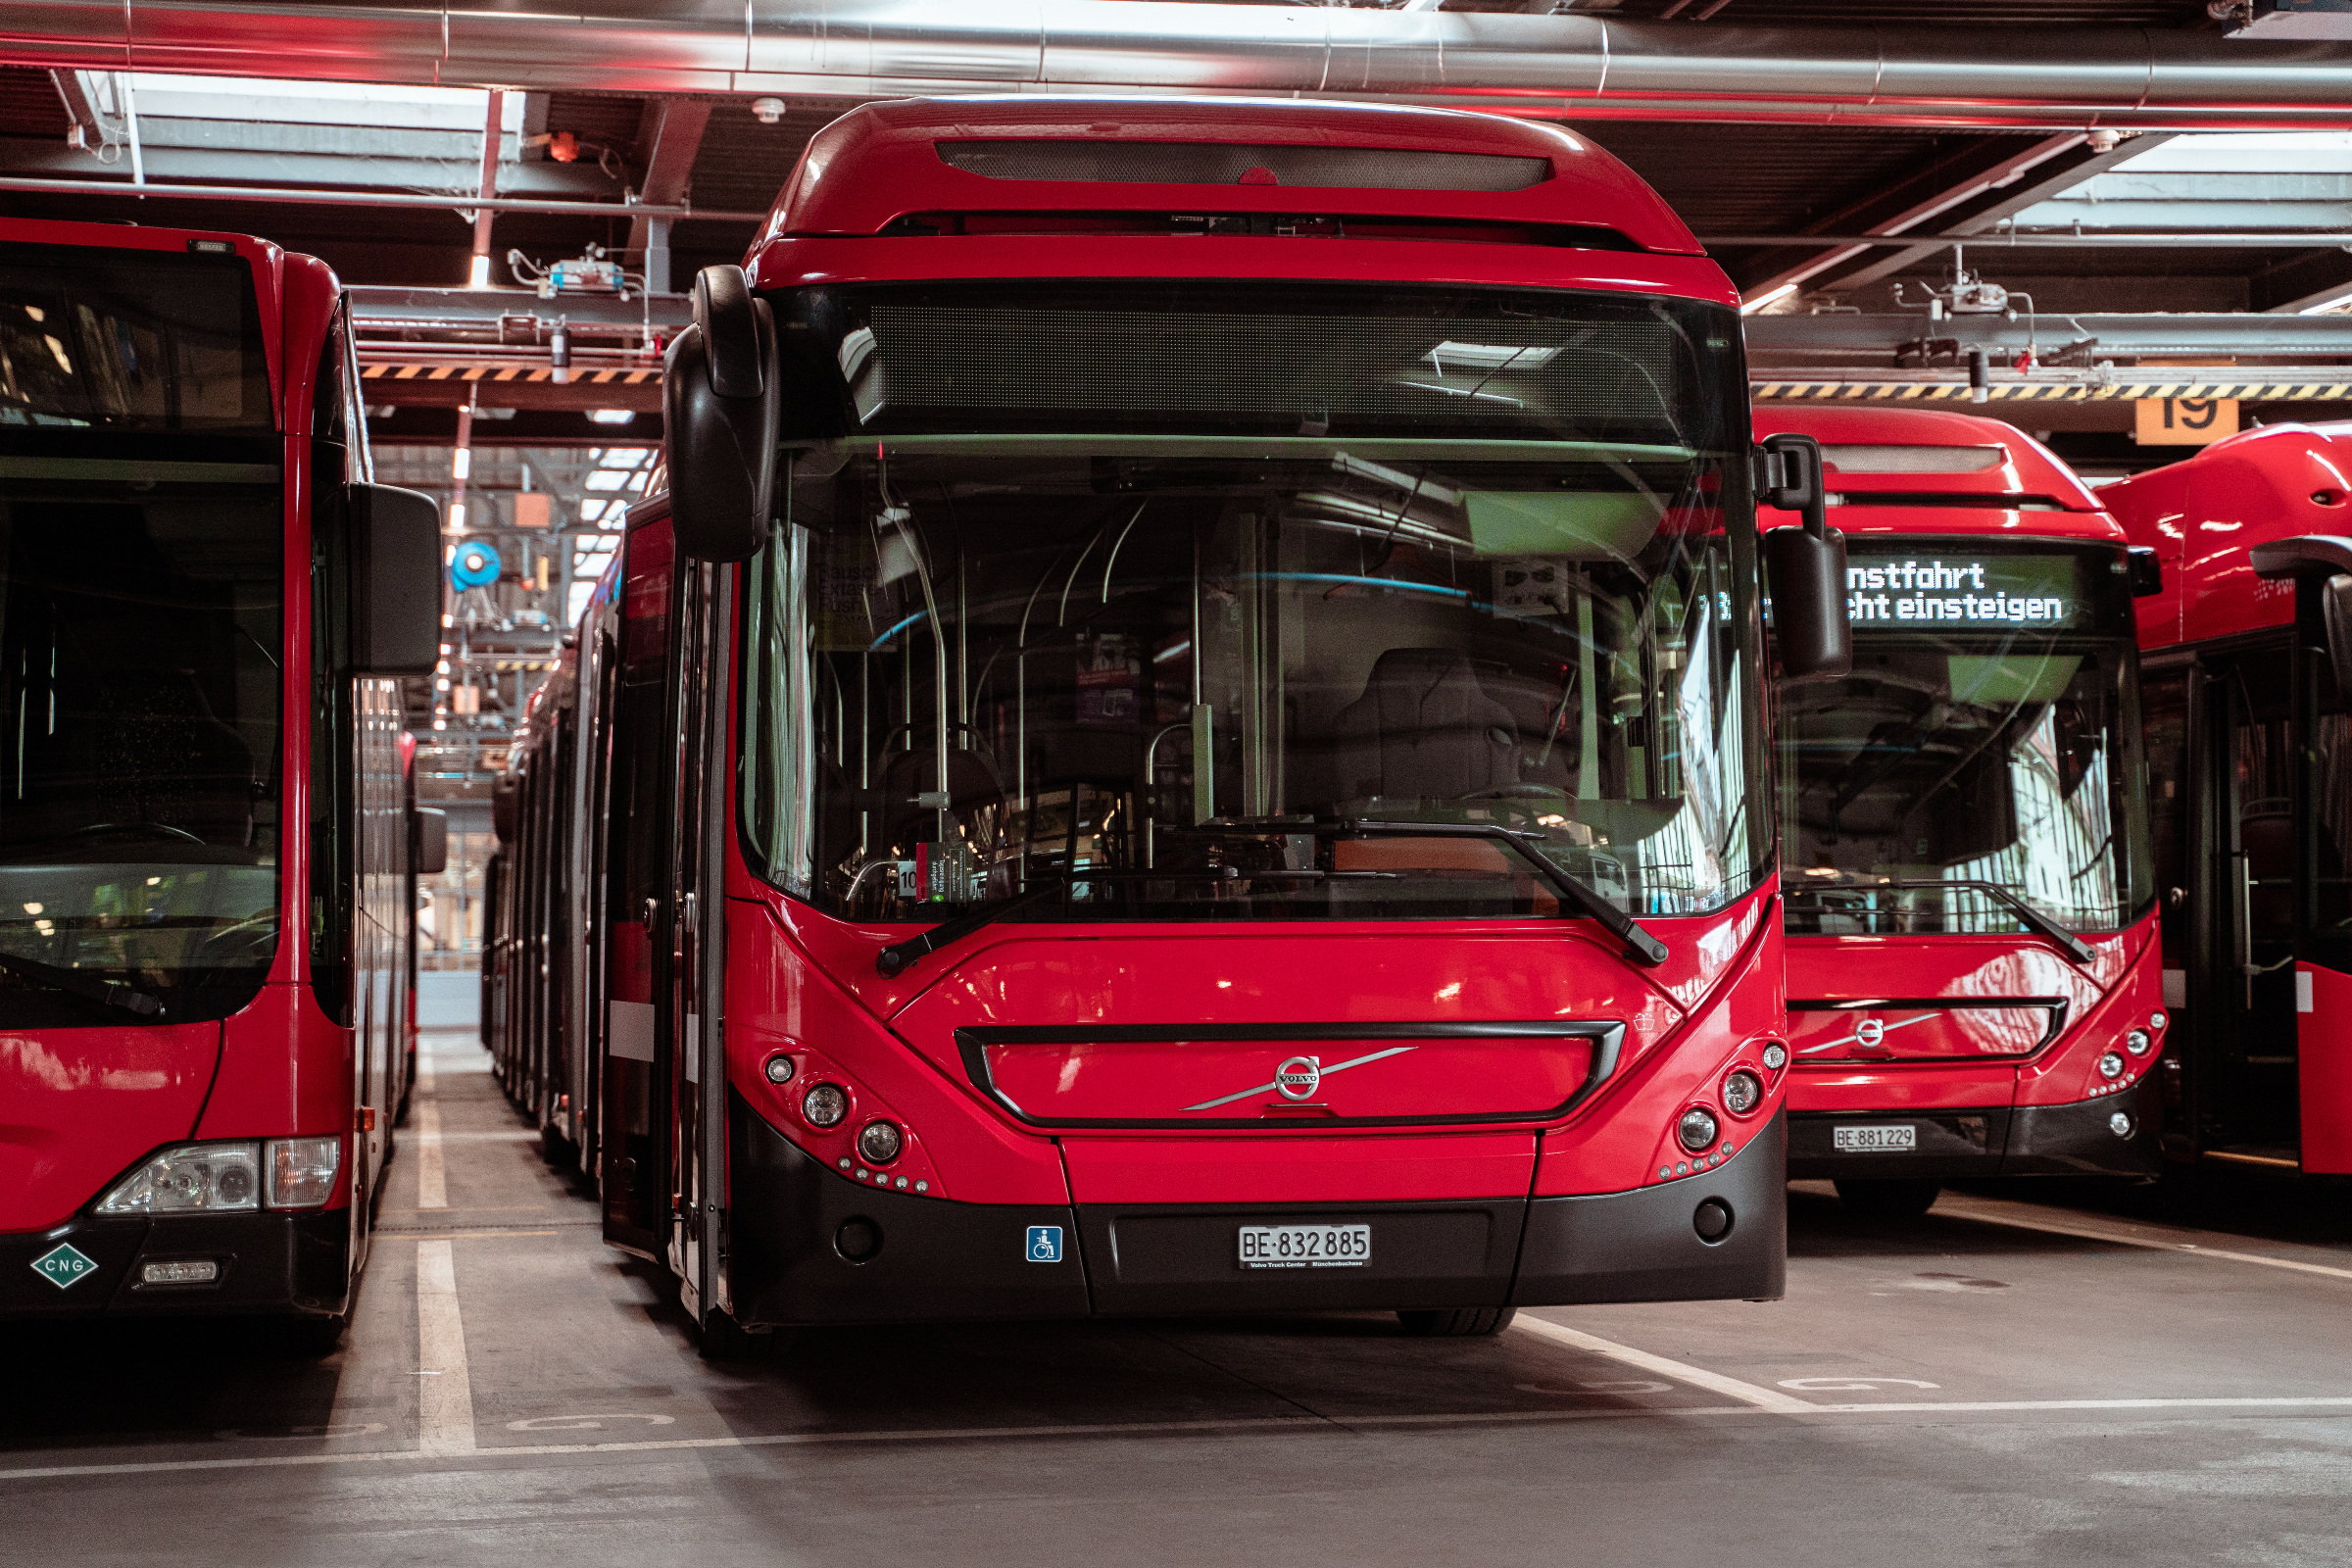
{"x": 1457, "y": 1322}
{"x": 726, "y": 1340}
{"x": 557, "y": 1150}
{"x": 312, "y": 1337}
{"x": 1889, "y": 1200}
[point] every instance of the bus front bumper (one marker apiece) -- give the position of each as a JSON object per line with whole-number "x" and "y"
{"x": 261, "y": 1263}
{"x": 793, "y": 1226}
{"x": 1976, "y": 1144}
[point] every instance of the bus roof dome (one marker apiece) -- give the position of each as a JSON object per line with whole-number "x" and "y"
{"x": 884, "y": 161}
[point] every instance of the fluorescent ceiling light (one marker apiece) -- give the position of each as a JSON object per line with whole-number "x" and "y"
{"x": 1752, "y": 307}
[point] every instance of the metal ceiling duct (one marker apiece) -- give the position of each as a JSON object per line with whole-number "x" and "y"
{"x": 1566, "y": 66}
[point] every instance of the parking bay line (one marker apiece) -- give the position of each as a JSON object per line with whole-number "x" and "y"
{"x": 2018, "y": 1216}
{"x": 1762, "y": 1399}
{"x": 445, "y": 1403}
{"x": 1244, "y": 1426}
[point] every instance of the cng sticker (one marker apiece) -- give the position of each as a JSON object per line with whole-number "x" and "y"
{"x": 63, "y": 1265}
{"x": 1045, "y": 1243}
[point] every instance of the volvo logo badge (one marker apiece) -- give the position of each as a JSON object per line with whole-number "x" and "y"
{"x": 1298, "y": 1078}
{"x": 1868, "y": 1033}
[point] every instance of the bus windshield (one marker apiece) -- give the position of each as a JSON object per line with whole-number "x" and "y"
{"x": 1174, "y": 645}
{"x": 139, "y": 772}
{"x": 1985, "y": 748}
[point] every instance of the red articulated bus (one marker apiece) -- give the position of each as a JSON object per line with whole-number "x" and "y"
{"x": 1185, "y": 736}
{"x": 2246, "y": 675}
{"x": 1973, "y": 969}
{"x": 206, "y": 828}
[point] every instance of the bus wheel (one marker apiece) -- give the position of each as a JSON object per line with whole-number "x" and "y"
{"x": 1457, "y": 1323}
{"x": 316, "y": 1336}
{"x": 557, "y": 1150}
{"x": 1889, "y": 1200}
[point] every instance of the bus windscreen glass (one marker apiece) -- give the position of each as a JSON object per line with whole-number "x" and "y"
{"x": 140, "y": 772}
{"x": 1989, "y": 733}
{"x": 129, "y": 340}
{"x": 1145, "y": 649}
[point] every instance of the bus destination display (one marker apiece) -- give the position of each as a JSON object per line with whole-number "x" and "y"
{"x": 1965, "y": 590}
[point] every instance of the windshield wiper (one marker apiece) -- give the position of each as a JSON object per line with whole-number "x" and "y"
{"x": 112, "y": 993}
{"x": 895, "y": 958}
{"x": 1639, "y": 945}
{"x": 2032, "y": 919}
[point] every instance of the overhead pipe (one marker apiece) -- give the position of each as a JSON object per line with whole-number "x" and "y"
{"x": 1573, "y": 67}
{"x": 305, "y": 197}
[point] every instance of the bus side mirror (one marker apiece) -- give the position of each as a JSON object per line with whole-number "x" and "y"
{"x": 1804, "y": 567}
{"x": 2320, "y": 564}
{"x": 2144, "y": 571}
{"x": 431, "y": 858}
{"x": 723, "y": 407}
{"x": 395, "y": 581}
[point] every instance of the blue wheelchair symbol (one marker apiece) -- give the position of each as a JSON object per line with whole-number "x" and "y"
{"x": 1045, "y": 1243}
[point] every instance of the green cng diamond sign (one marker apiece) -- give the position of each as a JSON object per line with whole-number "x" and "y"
{"x": 65, "y": 1265}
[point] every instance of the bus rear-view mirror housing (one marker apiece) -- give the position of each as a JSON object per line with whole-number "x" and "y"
{"x": 723, "y": 407}
{"x": 1804, "y": 567}
{"x": 2319, "y": 563}
{"x": 395, "y": 581}
{"x": 431, "y": 849}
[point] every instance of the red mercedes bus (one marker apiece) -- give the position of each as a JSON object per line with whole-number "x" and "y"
{"x": 205, "y": 827}
{"x": 2246, "y": 679}
{"x": 1184, "y": 735}
{"x": 1973, "y": 969}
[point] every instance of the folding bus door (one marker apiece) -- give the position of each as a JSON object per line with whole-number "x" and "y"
{"x": 692, "y": 925}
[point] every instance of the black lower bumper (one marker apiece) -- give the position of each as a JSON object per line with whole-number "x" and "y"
{"x": 2075, "y": 1140}
{"x": 264, "y": 1262}
{"x": 796, "y": 1231}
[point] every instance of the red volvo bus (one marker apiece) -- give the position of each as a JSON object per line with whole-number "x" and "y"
{"x": 2246, "y": 681}
{"x": 1184, "y": 736}
{"x": 206, "y": 833}
{"x": 1972, "y": 971}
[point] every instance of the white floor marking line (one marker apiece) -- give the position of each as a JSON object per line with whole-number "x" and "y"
{"x": 1992, "y": 1211}
{"x": 444, "y": 1403}
{"x": 433, "y": 1180}
{"x": 1698, "y": 1377}
{"x": 1242, "y": 1426}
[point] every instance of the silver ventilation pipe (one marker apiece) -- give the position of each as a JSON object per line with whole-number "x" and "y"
{"x": 1552, "y": 67}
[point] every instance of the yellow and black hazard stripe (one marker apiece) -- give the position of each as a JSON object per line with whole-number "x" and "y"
{"x": 2047, "y": 391}
{"x": 580, "y": 376}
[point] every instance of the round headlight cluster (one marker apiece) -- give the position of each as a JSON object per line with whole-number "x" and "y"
{"x": 1696, "y": 1130}
{"x": 1742, "y": 1092}
{"x": 880, "y": 1142}
{"x": 825, "y": 1105}
{"x": 2111, "y": 1065}
{"x": 2156, "y": 1021}
{"x": 2138, "y": 1042}
{"x": 779, "y": 1069}
{"x": 1776, "y": 1056}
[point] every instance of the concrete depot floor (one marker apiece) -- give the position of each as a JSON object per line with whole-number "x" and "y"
{"x": 2068, "y": 1379}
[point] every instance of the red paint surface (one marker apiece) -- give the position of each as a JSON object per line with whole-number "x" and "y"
{"x": 78, "y": 1107}
{"x": 2202, "y": 515}
{"x": 881, "y": 160}
{"x": 2324, "y": 1064}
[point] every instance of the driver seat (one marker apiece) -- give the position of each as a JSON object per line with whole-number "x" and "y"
{"x": 1424, "y": 729}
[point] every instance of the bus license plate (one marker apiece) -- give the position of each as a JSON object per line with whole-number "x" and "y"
{"x": 1305, "y": 1246}
{"x": 1874, "y": 1139}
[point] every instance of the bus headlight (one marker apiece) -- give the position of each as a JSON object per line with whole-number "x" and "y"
{"x": 2138, "y": 1042}
{"x": 302, "y": 1170}
{"x": 1697, "y": 1129}
{"x": 825, "y": 1105}
{"x": 2111, "y": 1065}
{"x": 1776, "y": 1056}
{"x": 1742, "y": 1092}
{"x": 879, "y": 1142}
{"x": 192, "y": 1178}
{"x": 779, "y": 1068}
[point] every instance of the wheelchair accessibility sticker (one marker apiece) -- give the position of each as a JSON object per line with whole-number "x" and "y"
{"x": 1045, "y": 1243}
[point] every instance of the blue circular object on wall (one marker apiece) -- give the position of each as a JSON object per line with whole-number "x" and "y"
{"x": 474, "y": 566}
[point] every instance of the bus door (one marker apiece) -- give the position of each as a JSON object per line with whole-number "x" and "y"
{"x": 2231, "y": 925}
{"x": 690, "y": 923}
{"x": 634, "y": 1143}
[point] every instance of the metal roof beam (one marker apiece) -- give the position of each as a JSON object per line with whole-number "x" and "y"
{"x": 669, "y": 136}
